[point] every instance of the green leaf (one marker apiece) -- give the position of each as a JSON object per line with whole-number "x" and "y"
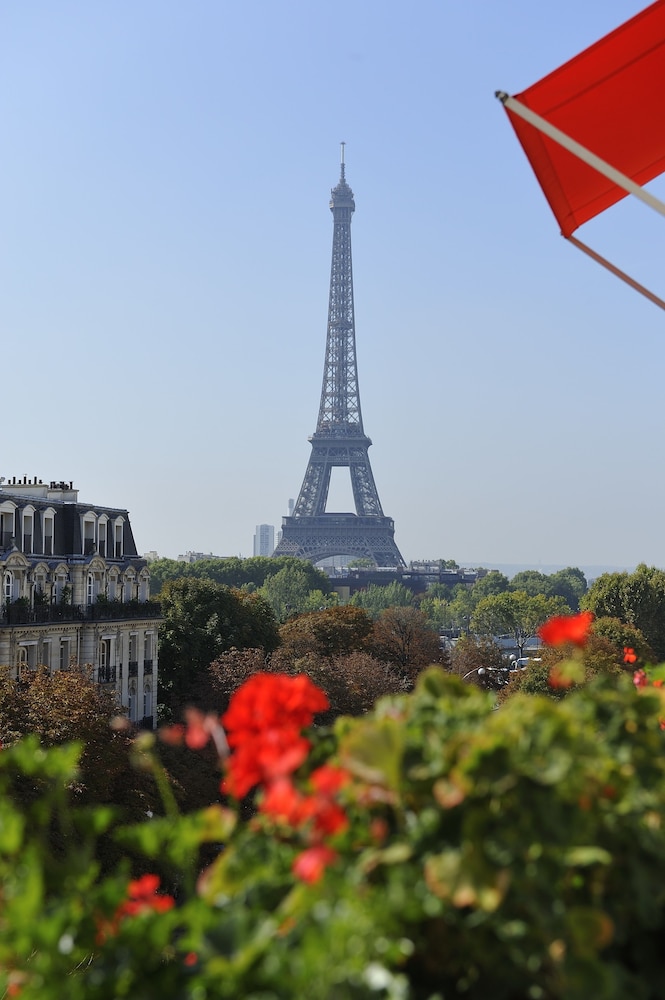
{"x": 373, "y": 751}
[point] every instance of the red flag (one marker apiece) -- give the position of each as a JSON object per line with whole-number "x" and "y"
{"x": 611, "y": 99}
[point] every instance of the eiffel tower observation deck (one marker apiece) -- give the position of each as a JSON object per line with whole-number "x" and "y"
{"x": 311, "y": 532}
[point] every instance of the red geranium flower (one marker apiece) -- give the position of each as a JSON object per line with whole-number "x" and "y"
{"x": 565, "y": 629}
{"x": 328, "y": 779}
{"x": 283, "y": 802}
{"x": 329, "y": 818}
{"x": 640, "y": 679}
{"x": 310, "y": 865}
{"x": 143, "y": 897}
{"x": 629, "y": 655}
{"x": 272, "y": 701}
{"x": 264, "y": 757}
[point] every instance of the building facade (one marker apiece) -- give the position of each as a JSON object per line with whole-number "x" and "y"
{"x": 76, "y": 592}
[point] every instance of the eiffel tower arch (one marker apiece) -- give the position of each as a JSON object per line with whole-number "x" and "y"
{"x": 339, "y": 440}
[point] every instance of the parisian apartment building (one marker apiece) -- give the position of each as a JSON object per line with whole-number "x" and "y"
{"x": 75, "y": 593}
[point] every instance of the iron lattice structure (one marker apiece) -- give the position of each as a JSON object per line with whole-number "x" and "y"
{"x": 339, "y": 440}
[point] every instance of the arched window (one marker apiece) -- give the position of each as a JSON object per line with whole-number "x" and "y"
{"x": 8, "y": 587}
{"x": 21, "y": 660}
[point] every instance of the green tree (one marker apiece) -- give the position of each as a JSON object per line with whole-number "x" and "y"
{"x": 532, "y": 582}
{"x": 494, "y": 583}
{"x": 441, "y": 590}
{"x": 201, "y": 620}
{"x": 515, "y": 613}
{"x": 436, "y": 611}
{"x": 460, "y": 608}
{"x": 634, "y": 598}
{"x": 569, "y": 583}
{"x": 289, "y": 592}
{"x": 375, "y": 598}
{"x": 623, "y": 636}
{"x": 235, "y": 572}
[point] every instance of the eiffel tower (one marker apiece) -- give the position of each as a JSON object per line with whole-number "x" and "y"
{"x": 339, "y": 440}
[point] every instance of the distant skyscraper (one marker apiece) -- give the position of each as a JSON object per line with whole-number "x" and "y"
{"x": 310, "y": 531}
{"x": 264, "y": 540}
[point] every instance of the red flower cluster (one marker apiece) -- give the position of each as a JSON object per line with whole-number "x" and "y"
{"x": 564, "y": 629}
{"x": 640, "y": 679}
{"x": 284, "y": 803}
{"x": 263, "y": 725}
{"x": 142, "y": 897}
{"x": 629, "y": 655}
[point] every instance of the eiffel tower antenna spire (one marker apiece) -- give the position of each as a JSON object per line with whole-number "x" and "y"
{"x": 339, "y": 440}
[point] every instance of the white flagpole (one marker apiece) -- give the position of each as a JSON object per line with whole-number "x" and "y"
{"x": 580, "y": 151}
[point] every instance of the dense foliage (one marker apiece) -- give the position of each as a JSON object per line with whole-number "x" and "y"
{"x": 431, "y": 848}
{"x": 235, "y": 572}
{"x": 634, "y": 598}
{"x": 201, "y": 620}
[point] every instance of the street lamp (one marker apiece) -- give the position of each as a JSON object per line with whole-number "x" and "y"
{"x": 481, "y": 671}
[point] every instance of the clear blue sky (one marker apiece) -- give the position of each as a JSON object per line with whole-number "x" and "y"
{"x": 164, "y": 257}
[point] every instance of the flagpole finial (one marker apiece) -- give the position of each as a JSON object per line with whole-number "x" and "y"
{"x": 501, "y": 95}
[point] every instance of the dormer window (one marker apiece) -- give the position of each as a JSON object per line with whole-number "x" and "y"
{"x": 27, "y": 529}
{"x": 102, "y": 527}
{"x": 7, "y": 511}
{"x": 118, "y": 527}
{"x": 48, "y": 531}
{"x": 89, "y": 524}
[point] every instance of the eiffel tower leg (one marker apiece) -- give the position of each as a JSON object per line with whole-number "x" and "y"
{"x": 365, "y": 493}
{"x": 313, "y": 495}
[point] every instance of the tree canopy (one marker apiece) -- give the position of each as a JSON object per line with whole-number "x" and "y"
{"x": 403, "y": 637}
{"x": 236, "y": 572}
{"x": 202, "y": 619}
{"x": 634, "y": 598}
{"x": 289, "y": 592}
{"x": 331, "y": 632}
{"x": 515, "y": 613}
{"x": 376, "y": 598}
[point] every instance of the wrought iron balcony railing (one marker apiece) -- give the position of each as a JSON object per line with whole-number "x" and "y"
{"x": 19, "y": 614}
